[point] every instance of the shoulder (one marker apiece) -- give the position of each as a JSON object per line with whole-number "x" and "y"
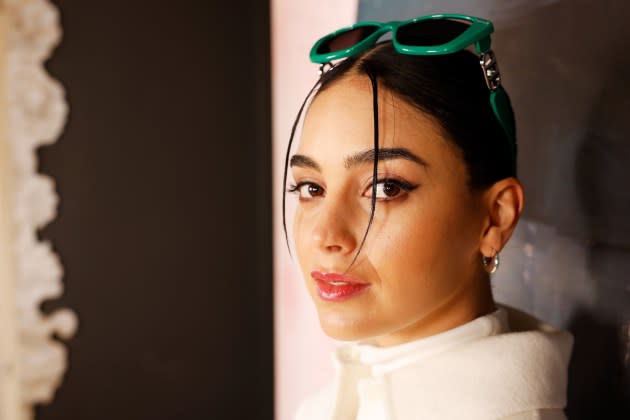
{"x": 521, "y": 371}
{"x": 534, "y": 345}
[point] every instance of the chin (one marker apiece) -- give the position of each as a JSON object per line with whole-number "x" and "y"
{"x": 344, "y": 328}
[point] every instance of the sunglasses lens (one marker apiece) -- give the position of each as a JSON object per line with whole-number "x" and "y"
{"x": 346, "y": 39}
{"x": 431, "y": 32}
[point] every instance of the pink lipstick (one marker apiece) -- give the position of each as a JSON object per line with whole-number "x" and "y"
{"x": 337, "y": 287}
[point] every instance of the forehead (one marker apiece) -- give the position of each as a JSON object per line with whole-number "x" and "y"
{"x": 340, "y": 121}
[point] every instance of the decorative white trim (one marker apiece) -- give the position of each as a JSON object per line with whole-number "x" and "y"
{"x": 37, "y": 112}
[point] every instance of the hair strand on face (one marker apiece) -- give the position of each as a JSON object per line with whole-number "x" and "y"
{"x": 374, "y": 82}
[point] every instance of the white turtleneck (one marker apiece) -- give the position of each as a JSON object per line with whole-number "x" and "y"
{"x": 504, "y": 365}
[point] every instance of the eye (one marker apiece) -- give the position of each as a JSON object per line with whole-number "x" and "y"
{"x": 388, "y": 189}
{"x": 306, "y": 190}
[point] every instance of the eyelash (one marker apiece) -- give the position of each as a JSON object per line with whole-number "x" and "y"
{"x": 295, "y": 188}
{"x": 404, "y": 186}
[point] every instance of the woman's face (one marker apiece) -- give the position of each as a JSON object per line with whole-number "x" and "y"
{"x": 420, "y": 261}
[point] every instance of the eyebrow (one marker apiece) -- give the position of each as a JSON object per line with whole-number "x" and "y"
{"x": 366, "y": 156}
{"x": 304, "y": 162}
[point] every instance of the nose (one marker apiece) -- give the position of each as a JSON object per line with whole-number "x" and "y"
{"x": 333, "y": 228}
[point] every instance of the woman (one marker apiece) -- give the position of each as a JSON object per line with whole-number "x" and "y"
{"x": 406, "y": 180}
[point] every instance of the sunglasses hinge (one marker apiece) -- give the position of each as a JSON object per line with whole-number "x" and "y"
{"x": 323, "y": 69}
{"x": 490, "y": 68}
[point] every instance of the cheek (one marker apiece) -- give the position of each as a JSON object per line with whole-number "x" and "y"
{"x": 424, "y": 241}
{"x": 402, "y": 253}
{"x": 298, "y": 230}
{"x": 302, "y": 232}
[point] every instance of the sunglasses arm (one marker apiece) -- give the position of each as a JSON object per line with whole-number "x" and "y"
{"x": 483, "y": 45}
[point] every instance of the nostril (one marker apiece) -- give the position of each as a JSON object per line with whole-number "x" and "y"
{"x": 334, "y": 248}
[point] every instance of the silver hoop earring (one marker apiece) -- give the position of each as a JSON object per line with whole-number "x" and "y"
{"x": 491, "y": 263}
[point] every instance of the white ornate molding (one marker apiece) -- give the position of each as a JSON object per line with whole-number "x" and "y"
{"x": 37, "y": 113}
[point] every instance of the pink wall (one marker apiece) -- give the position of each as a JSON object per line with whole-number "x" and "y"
{"x": 303, "y": 361}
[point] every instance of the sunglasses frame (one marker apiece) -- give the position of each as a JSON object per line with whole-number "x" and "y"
{"x": 477, "y": 34}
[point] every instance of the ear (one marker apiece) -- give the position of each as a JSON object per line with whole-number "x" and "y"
{"x": 502, "y": 206}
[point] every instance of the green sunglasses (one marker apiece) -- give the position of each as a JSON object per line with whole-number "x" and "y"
{"x": 426, "y": 35}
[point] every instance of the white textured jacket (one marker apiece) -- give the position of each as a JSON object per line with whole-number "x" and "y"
{"x": 505, "y": 365}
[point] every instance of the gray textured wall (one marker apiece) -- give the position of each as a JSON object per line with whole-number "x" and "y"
{"x": 566, "y": 67}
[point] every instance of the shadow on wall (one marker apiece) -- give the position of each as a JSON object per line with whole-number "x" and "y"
{"x": 596, "y": 371}
{"x": 600, "y": 371}
{"x": 574, "y": 123}
{"x": 573, "y": 111}
{"x": 574, "y": 114}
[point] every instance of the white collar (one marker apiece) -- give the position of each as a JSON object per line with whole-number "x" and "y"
{"x": 382, "y": 360}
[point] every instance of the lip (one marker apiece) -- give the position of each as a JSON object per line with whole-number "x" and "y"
{"x": 336, "y": 287}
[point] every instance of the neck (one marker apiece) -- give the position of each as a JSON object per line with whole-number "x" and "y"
{"x": 468, "y": 303}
